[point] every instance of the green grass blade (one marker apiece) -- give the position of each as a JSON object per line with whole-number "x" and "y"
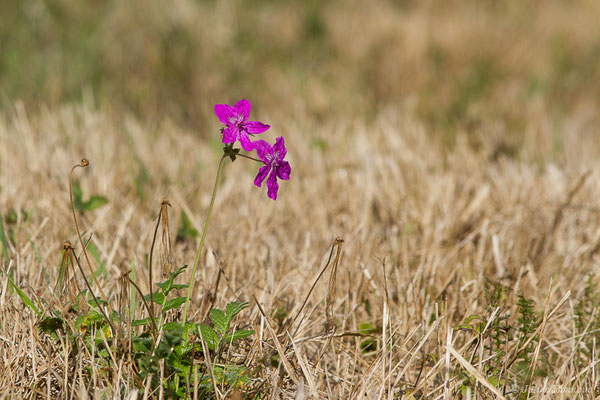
{"x": 3, "y": 239}
{"x": 23, "y": 296}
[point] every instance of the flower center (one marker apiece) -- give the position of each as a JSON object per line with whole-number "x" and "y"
{"x": 236, "y": 120}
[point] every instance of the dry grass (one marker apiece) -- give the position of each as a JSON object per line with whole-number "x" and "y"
{"x": 423, "y": 228}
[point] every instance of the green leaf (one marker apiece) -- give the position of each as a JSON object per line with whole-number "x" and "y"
{"x": 210, "y": 337}
{"x": 96, "y": 301}
{"x": 172, "y": 325}
{"x": 234, "y": 309}
{"x": 472, "y": 317}
{"x": 157, "y": 297}
{"x": 94, "y": 202}
{"x": 366, "y": 328}
{"x": 142, "y": 344}
{"x": 368, "y": 345}
{"x": 26, "y": 300}
{"x": 186, "y": 230}
{"x": 174, "y": 303}
{"x": 465, "y": 327}
{"x": 101, "y": 265}
{"x": 168, "y": 285}
{"x": 51, "y": 324}
{"x": 140, "y": 322}
{"x": 220, "y": 320}
{"x": 88, "y": 319}
{"x": 237, "y": 335}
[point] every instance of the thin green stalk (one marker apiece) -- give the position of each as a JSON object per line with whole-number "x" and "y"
{"x": 212, "y": 202}
{"x": 250, "y": 158}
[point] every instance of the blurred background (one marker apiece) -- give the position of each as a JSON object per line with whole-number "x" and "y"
{"x": 482, "y": 67}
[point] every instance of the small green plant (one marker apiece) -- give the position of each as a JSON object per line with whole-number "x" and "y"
{"x": 497, "y": 337}
{"x": 368, "y": 331}
{"x": 152, "y": 342}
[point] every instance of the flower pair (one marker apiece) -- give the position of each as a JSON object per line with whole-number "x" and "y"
{"x": 239, "y": 128}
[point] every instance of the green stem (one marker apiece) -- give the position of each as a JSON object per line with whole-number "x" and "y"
{"x": 212, "y": 202}
{"x": 250, "y": 158}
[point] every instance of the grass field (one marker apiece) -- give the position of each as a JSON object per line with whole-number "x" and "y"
{"x": 454, "y": 149}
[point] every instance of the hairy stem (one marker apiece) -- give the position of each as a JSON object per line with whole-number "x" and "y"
{"x": 212, "y": 202}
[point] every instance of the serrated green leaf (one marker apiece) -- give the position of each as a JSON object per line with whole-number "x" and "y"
{"x": 24, "y": 298}
{"x": 209, "y": 336}
{"x": 157, "y": 297}
{"x": 174, "y": 303}
{"x": 220, "y": 320}
{"x": 168, "y": 285}
{"x": 234, "y": 309}
{"x": 237, "y": 335}
{"x": 142, "y": 344}
{"x": 172, "y": 325}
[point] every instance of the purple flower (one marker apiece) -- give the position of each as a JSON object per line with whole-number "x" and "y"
{"x": 272, "y": 156}
{"x": 237, "y": 125}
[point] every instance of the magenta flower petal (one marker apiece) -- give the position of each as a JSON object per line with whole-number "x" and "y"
{"x": 262, "y": 149}
{"x": 225, "y": 113}
{"x": 262, "y": 174}
{"x": 255, "y": 127}
{"x": 279, "y": 147}
{"x": 242, "y": 108}
{"x": 283, "y": 172}
{"x": 238, "y": 126}
{"x": 244, "y": 141}
{"x": 230, "y": 134}
{"x": 272, "y": 185}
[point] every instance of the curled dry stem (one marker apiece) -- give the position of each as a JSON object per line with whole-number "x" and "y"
{"x": 84, "y": 163}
